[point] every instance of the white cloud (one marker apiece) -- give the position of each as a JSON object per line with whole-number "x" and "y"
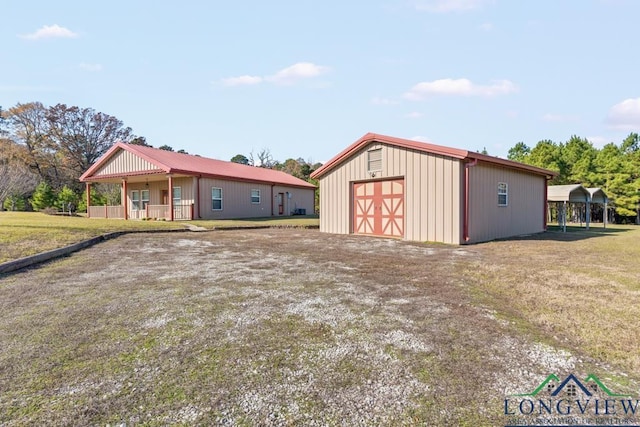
{"x": 414, "y": 115}
{"x": 459, "y": 87}
{"x": 625, "y": 115}
{"x": 286, "y": 76}
{"x": 242, "y": 81}
{"x": 50, "y": 32}
{"x": 301, "y": 70}
{"x": 420, "y": 138}
{"x": 444, "y": 6}
{"x": 376, "y": 100}
{"x": 90, "y": 67}
{"x": 549, "y": 117}
{"x": 512, "y": 114}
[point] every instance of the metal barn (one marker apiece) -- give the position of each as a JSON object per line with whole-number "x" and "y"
{"x": 393, "y": 187}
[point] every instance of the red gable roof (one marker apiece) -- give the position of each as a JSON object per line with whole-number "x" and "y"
{"x": 177, "y": 163}
{"x": 456, "y": 153}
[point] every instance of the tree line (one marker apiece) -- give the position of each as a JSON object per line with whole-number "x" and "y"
{"x": 44, "y": 150}
{"x": 615, "y": 168}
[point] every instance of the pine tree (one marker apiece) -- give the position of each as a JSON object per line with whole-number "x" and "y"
{"x": 43, "y": 197}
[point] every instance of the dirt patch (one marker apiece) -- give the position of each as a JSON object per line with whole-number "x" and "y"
{"x": 264, "y": 327}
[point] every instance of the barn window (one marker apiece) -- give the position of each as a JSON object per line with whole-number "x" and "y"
{"x": 502, "y": 194}
{"x": 255, "y": 196}
{"x": 374, "y": 160}
{"x": 135, "y": 200}
{"x": 216, "y": 198}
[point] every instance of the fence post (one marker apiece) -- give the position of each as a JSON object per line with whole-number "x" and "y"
{"x": 106, "y": 211}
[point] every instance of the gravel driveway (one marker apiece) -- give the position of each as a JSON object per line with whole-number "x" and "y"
{"x": 260, "y": 327}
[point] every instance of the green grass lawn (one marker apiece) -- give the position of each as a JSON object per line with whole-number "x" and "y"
{"x": 295, "y": 221}
{"x": 28, "y": 233}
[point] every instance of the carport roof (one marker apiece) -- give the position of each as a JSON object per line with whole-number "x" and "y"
{"x": 428, "y": 148}
{"x": 567, "y": 193}
{"x": 597, "y": 195}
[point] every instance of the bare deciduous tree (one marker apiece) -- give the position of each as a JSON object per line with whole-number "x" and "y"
{"x": 16, "y": 180}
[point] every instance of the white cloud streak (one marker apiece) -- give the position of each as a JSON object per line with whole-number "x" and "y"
{"x": 287, "y": 76}
{"x": 50, "y": 32}
{"x": 459, "y": 87}
{"x": 625, "y": 115}
{"x": 242, "y": 81}
{"x": 301, "y": 70}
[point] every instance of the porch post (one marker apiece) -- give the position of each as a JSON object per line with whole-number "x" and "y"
{"x": 124, "y": 198}
{"x": 170, "y": 198}
{"x": 88, "y": 188}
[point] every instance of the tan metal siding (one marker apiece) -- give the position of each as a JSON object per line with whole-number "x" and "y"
{"x": 123, "y": 162}
{"x": 236, "y": 199}
{"x": 524, "y": 213}
{"x": 432, "y": 192}
{"x": 301, "y": 198}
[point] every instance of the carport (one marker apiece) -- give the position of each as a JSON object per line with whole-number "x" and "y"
{"x": 598, "y": 196}
{"x": 575, "y": 195}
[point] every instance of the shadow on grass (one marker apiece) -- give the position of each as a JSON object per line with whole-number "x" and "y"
{"x": 574, "y": 233}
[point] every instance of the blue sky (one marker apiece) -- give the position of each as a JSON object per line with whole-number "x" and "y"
{"x": 307, "y": 78}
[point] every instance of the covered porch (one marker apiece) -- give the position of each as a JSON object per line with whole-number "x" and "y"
{"x": 159, "y": 197}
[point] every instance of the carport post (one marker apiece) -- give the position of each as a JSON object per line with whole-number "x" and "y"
{"x": 606, "y": 214}
{"x": 588, "y": 213}
{"x": 564, "y": 216}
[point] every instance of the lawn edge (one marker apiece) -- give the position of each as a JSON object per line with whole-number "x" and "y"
{"x": 42, "y": 257}
{"x": 32, "y": 260}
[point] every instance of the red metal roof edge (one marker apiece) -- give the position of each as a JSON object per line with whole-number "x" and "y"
{"x": 512, "y": 164}
{"x": 425, "y": 147}
{"x": 123, "y": 175}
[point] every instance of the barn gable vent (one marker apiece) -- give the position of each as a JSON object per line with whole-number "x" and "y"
{"x": 374, "y": 161}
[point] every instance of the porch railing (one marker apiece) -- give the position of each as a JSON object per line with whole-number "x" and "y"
{"x": 115, "y": 212}
{"x": 182, "y": 211}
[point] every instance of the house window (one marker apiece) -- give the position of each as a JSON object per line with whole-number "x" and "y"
{"x": 144, "y": 198}
{"x": 374, "y": 160}
{"x": 135, "y": 200}
{"x": 255, "y": 196}
{"x": 177, "y": 196}
{"x": 502, "y": 194}
{"x": 216, "y": 198}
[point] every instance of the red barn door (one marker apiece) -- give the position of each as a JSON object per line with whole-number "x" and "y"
{"x": 378, "y": 208}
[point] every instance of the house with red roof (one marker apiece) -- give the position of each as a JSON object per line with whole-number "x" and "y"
{"x": 174, "y": 186}
{"x": 392, "y": 187}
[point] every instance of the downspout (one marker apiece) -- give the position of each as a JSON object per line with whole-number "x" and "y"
{"x": 466, "y": 198}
